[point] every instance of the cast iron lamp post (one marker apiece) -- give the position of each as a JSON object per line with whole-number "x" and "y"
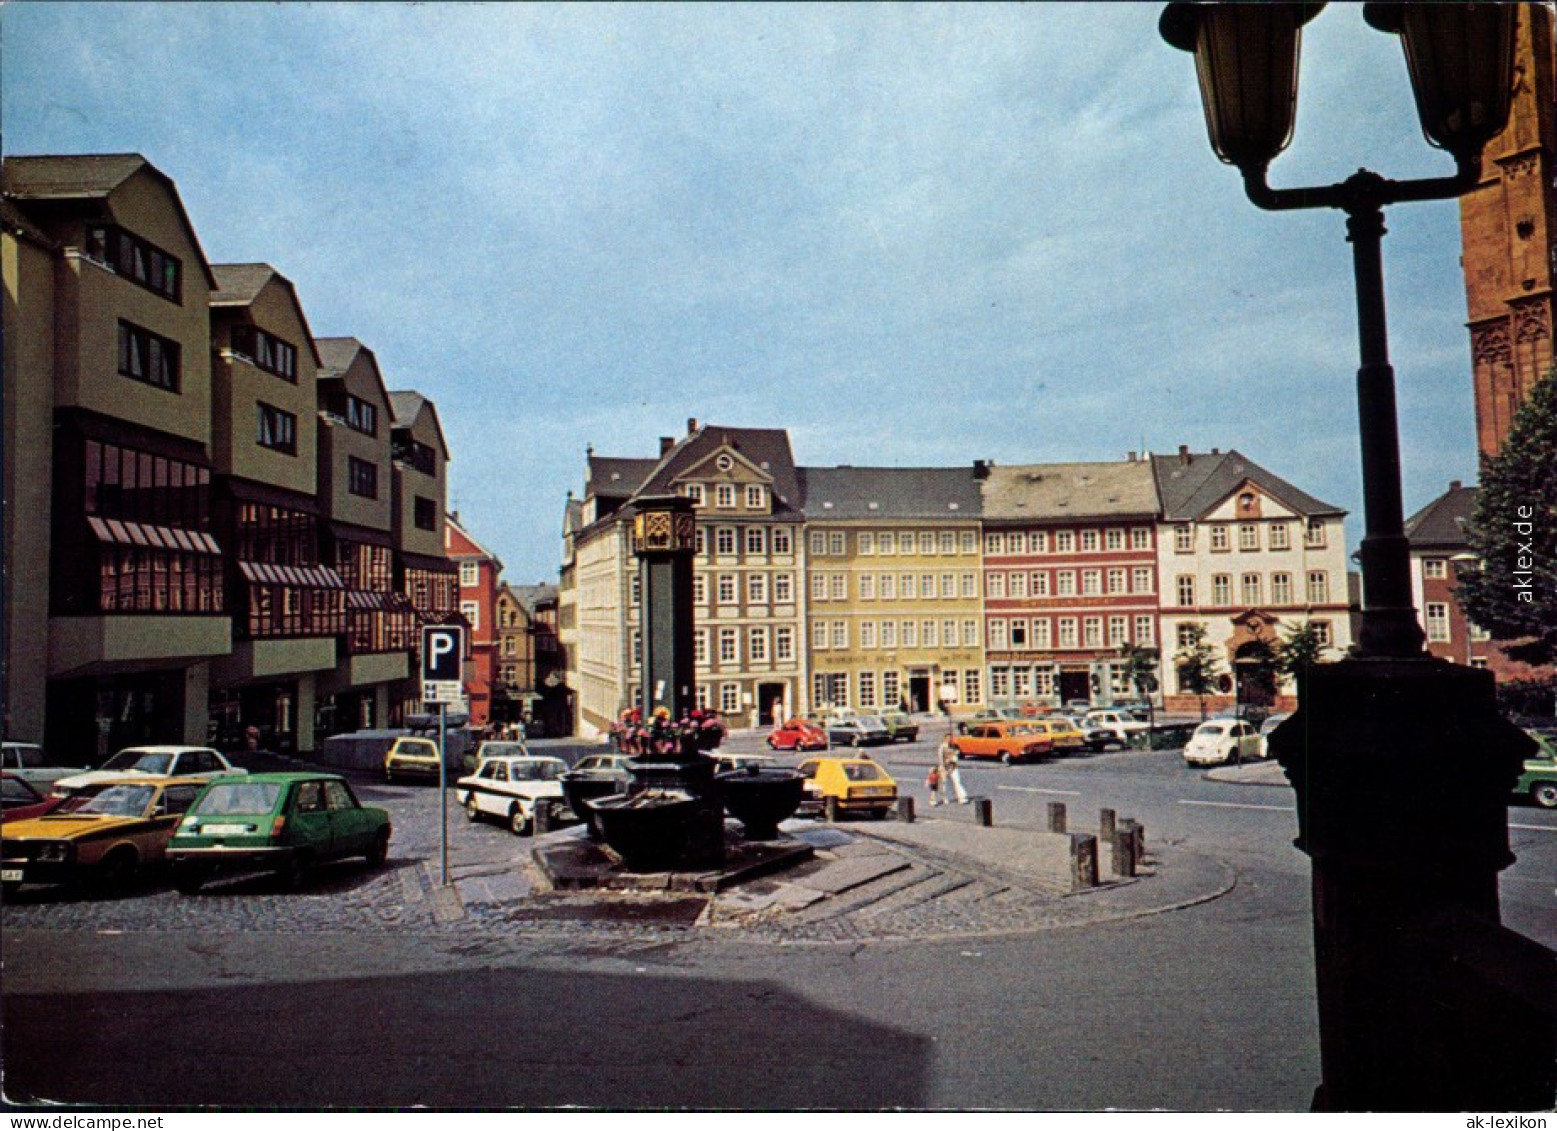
{"x": 1401, "y": 764}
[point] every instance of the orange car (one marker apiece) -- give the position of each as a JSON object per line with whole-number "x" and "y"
{"x": 1009, "y": 741}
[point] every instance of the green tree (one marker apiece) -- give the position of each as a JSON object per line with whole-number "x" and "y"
{"x": 1513, "y": 530}
{"x": 1300, "y": 648}
{"x": 1198, "y": 664}
{"x": 1140, "y": 666}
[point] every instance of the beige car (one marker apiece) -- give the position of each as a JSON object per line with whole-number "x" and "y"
{"x": 412, "y": 758}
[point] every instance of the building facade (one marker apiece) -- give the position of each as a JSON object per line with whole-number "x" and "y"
{"x": 201, "y": 529}
{"x": 480, "y": 574}
{"x": 1070, "y": 577}
{"x": 893, "y": 588}
{"x": 1508, "y": 229}
{"x": 1244, "y": 555}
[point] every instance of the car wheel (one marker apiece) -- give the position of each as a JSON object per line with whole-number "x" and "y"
{"x": 1005, "y": 758}
{"x": 771, "y": 744}
{"x": 118, "y": 869}
{"x": 294, "y": 873}
{"x": 518, "y": 823}
{"x": 189, "y": 879}
{"x": 378, "y": 855}
{"x": 471, "y": 812}
{"x": 1544, "y": 794}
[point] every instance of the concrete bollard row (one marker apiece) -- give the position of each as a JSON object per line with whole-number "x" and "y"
{"x": 1105, "y": 825}
{"x": 1083, "y": 861}
{"x": 543, "y": 818}
{"x": 905, "y": 810}
{"x": 830, "y": 810}
{"x": 983, "y": 811}
{"x": 1056, "y": 816}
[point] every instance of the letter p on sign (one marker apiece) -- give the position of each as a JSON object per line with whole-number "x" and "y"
{"x": 443, "y": 652}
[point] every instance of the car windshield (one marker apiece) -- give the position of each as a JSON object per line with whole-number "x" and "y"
{"x": 863, "y": 771}
{"x": 225, "y": 799}
{"x": 120, "y": 801}
{"x": 871, "y": 722}
{"x": 538, "y": 770}
{"x": 142, "y": 760}
{"x": 1212, "y": 730}
{"x": 503, "y": 749}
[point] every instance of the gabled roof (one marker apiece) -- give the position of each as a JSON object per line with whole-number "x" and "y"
{"x": 406, "y": 405}
{"x": 614, "y": 478}
{"x": 765, "y": 448}
{"x": 337, "y": 355}
{"x": 88, "y": 176}
{"x": 889, "y": 493}
{"x": 533, "y": 596}
{"x": 1442, "y": 522}
{"x": 455, "y": 533}
{"x": 1192, "y": 484}
{"x": 239, "y": 284}
{"x": 1070, "y": 490}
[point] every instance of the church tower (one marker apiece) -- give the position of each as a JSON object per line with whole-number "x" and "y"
{"x": 1508, "y": 225}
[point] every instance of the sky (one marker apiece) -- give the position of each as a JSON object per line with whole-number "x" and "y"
{"x": 913, "y": 235}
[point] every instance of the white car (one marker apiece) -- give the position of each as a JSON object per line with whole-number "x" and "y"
{"x": 1121, "y": 724}
{"x": 27, "y": 761}
{"x": 1266, "y": 727}
{"x": 508, "y": 787}
{"x": 1217, "y": 742}
{"x": 153, "y": 761}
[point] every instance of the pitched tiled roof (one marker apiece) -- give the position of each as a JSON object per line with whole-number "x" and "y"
{"x": 612, "y": 477}
{"x": 337, "y": 354}
{"x": 1063, "y": 490}
{"x": 239, "y": 284}
{"x": 1442, "y": 522}
{"x": 533, "y": 596}
{"x": 767, "y": 448}
{"x": 889, "y": 492}
{"x": 405, "y": 405}
{"x": 87, "y": 176}
{"x": 1192, "y": 483}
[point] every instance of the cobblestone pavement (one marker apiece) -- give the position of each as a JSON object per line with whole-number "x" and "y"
{"x": 497, "y": 893}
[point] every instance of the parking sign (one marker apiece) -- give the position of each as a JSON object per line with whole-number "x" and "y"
{"x": 443, "y": 661}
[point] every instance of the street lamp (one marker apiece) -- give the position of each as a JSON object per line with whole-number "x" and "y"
{"x": 1401, "y": 764}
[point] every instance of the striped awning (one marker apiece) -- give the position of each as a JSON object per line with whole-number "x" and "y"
{"x": 299, "y": 577}
{"x": 119, "y": 533}
{"x": 388, "y": 602}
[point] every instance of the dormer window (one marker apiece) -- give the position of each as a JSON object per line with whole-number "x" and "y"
{"x": 361, "y": 415}
{"x": 132, "y": 258}
{"x": 755, "y": 497}
{"x": 267, "y": 351}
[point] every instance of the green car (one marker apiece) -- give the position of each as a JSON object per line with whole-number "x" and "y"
{"x": 900, "y": 726}
{"x": 282, "y": 823}
{"x": 1539, "y": 781}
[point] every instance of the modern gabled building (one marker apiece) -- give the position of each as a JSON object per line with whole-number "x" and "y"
{"x": 114, "y": 590}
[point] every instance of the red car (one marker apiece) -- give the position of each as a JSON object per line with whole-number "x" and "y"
{"x": 21, "y": 800}
{"x": 797, "y": 734}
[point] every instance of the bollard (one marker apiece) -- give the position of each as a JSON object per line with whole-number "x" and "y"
{"x": 542, "y": 819}
{"x": 1123, "y": 854}
{"x": 1140, "y": 843}
{"x": 1105, "y": 825}
{"x": 830, "y": 810}
{"x": 983, "y": 811}
{"x": 1137, "y": 834}
{"x": 1056, "y": 816}
{"x": 1083, "y": 861}
{"x": 905, "y": 810}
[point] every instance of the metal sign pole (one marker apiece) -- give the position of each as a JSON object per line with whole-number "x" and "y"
{"x": 443, "y": 794}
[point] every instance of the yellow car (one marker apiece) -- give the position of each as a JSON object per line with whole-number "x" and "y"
{"x": 1064, "y": 736}
{"x": 857, "y": 784}
{"x": 107, "y": 837}
{"x": 411, "y": 757}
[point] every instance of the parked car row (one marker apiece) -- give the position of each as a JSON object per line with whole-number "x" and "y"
{"x": 108, "y": 830}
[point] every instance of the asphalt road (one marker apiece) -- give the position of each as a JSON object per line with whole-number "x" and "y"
{"x": 253, "y": 998}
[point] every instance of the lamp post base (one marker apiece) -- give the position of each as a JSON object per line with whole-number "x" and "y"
{"x": 1403, "y": 770}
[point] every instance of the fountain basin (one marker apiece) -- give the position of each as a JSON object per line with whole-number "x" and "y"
{"x": 653, "y": 829}
{"x": 761, "y": 797}
{"x": 579, "y": 787}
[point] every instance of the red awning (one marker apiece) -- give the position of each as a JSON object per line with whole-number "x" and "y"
{"x": 118, "y": 533}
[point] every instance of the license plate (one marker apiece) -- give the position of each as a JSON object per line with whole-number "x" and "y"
{"x": 223, "y": 830}
{"x": 11, "y": 876}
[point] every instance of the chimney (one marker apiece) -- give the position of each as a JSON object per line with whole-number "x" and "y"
{"x": 1183, "y": 455}
{"x": 1216, "y": 451}
{"x": 666, "y": 443}
{"x": 1129, "y": 457}
{"x": 980, "y": 469}
{"x": 1455, "y": 484}
{"x": 691, "y": 425}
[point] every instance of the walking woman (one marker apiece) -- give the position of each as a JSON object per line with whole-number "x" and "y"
{"x": 951, "y": 776}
